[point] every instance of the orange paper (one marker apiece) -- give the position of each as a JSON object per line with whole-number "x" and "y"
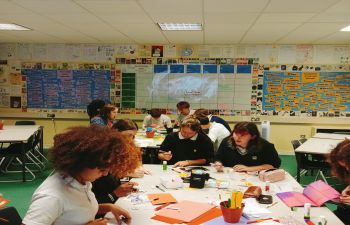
{"x": 161, "y": 198}
{"x": 166, "y": 219}
{"x": 3, "y": 202}
{"x": 185, "y": 210}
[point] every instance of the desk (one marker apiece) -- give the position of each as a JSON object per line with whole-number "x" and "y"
{"x": 142, "y": 213}
{"x": 318, "y": 145}
{"x": 331, "y": 136}
{"x": 20, "y": 134}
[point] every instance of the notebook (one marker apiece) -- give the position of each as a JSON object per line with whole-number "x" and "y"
{"x": 316, "y": 193}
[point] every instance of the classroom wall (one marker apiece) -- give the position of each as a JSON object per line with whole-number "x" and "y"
{"x": 283, "y": 129}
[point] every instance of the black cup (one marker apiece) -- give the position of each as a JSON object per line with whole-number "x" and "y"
{"x": 169, "y": 130}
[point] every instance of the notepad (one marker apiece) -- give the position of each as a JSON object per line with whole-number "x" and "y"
{"x": 220, "y": 221}
{"x": 185, "y": 211}
{"x": 316, "y": 193}
{"x": 161, "y": 198}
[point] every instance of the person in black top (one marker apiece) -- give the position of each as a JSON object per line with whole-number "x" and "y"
{"x": 246, "y": 151}
{"x": 108, "y": 189}
{"x": 187, "y": 147}
{"x": 204, "y": 112}
{"x": 339, "y": 159}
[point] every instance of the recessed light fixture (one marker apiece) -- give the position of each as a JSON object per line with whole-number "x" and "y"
{"x": 12, "y": 26}
{"x": 346, "y": 29}
{"x": 180, "y": 26}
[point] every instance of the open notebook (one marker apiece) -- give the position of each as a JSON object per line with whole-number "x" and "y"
{"x": 315, "y": 193}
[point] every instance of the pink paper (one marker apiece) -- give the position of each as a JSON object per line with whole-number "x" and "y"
{"x": 315, "y": 193}
{"x": 185, "y": 210}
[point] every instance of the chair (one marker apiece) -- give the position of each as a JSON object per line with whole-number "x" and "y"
{"x": 305, "y": 164}
{"x": 10, "y": 216}
{"x": 24, "y": 122}
{"x": 14, "y": 153}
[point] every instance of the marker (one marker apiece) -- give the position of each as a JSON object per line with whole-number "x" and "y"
{"x": 160, "y": 188}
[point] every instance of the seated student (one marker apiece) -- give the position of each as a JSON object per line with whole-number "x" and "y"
{"x": 94, "y": 107}
{"x": 187, "y": 147}
{"x": 204, "y": 112}
{"x": 215, "y": 131}
{"x": 339, "y": 159}
{"x": 108, "y": 189}
{"x": 80, "y": 156}
{"x": 106, "y": 116}
{"x": 157, "y": 120}
{"x": 245, "y": 150}
{"x": 183, "y": 108}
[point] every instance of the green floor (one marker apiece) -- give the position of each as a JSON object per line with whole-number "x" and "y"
{"x": 20, "y": 193}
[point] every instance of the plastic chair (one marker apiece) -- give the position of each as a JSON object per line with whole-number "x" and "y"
{"x": 10, "y": 216}
{"x": 24, "y": 122}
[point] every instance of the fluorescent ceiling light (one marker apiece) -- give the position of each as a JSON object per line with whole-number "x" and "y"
{"x": 12, "y": 26}
{"x": 180, "y": 26}
{"x": 346, "y": 29}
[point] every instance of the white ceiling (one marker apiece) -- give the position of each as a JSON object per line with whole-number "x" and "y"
{"x": 134, "y": 21}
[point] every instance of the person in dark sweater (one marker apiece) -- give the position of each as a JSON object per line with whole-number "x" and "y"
{"x": 339, "y": 159}
{"x": 246, "y": 151}
{"x": 187, "y": 147}
{"x": 108, "y": 189}
{"x": 204, "y": 112}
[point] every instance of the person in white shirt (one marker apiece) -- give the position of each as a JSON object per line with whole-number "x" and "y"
{"x": 156, "y": 119}
{"x": 215, "y": 131}
{"x": 184, "y": 111}
{"x": 80, "y": 156}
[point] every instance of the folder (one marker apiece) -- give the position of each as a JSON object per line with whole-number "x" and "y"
{"x": 161, "y": 198}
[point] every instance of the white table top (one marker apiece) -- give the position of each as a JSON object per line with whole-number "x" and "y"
{"x": 141, "y": 213}
{"x": 17, "y": 133}
{"x": 318, "y": 145}
{"x": 331, "y": 136}
{"x": 143, "y": 142}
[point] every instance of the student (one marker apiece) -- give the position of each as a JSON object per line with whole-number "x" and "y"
{"x": 106, "y": 116}
{"x": 157, "y": 120}
{"x": 204, "y": 112}
{"x": 94, "y": 107}
{"x": 339, "y": 159}
{"x": 80, "y": 156}
{"x": 245, "y": 150}
{"x": 215, "y": 131}
{"x": 108, "y": 189}
{"x": 187, "y": 147}
{"x": 183, "y": 109}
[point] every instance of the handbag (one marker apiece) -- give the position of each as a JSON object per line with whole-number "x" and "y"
{"x": 272, "y": 175}
{"x": 252, "y": 192}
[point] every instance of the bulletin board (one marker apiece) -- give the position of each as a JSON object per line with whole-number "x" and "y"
{"x": 307, "y": 91}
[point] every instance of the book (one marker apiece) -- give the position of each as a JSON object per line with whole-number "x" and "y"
{"x": 316, "y": 193}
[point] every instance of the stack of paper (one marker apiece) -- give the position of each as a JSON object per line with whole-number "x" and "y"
{"x": 252, "y": 210}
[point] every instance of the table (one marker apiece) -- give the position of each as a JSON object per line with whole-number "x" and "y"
{"x": 331, "y": 136}
{"x": 20, "y": 134}
{"x": 150, "y": 146}
{"x": 142, "y": 213}
{"x": 318, "y": 145}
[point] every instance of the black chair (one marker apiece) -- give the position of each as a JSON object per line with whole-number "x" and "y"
{"x": 10, "y": 216}
{"x": 25, "y": 122}
{"x": 305, "y": 164}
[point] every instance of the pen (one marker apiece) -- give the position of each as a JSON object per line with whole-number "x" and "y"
{"x": 261, "y": 220}
{"x": 160, "y": 188}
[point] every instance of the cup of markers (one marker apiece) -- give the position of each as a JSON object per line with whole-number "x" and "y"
{"x": 233, "y": 208}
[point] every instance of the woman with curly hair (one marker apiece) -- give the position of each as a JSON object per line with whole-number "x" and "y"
{"x": 339, "y": 159}
{"x": 106, "y": 116}
{"x": 80, "y": 156}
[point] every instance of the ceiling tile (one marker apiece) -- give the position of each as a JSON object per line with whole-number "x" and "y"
{"x": 176, "y": 17}
{"x": 336, "y": 38}
{"x": 50, "y": 6}
{"x": 110, "y": 6}
{"x": 310, "y": 32}
{"x": 234, "y": 6}
{"x": 268, "y": 33}
{"x": 9, "y": 7}
{"x": 225, "y": 33}
{"x": 125, "y": 18}
{"x": 300, "y": 6}
{"x": 340, "y": 7}
{"x": 171, "y": 6}
{"x": 332, "y": 18}
{"x": 230, "y": 18}
{"x": 284, "y": 17}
